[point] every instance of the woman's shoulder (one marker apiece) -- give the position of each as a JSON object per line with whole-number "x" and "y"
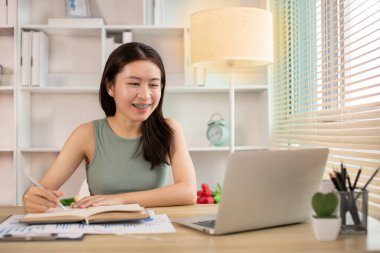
{"x": 175, "y": 126}
{"x": 84, "y": 131}
{"x": 173, "y": 123}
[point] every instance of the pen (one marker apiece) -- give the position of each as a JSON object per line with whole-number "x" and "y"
{"x": 357, "y": 178}
{"x": 349, "y": 183}
{"x": 43, "y": 188}
{"x": 370, "y": 179}
{"x": 333, "y": 179}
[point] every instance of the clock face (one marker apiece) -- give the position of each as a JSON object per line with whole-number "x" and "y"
{"x": 215, "y": 134}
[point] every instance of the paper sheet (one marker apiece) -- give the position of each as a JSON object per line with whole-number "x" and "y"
{"x": 157, "y": 224}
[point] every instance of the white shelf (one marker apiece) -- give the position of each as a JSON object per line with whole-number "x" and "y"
{"x": 169, "y": 89}
{"x": 191, "y": 149}
{"x": 40, "y": 150}
{"x": 7, "y": 149}
{"x": 6, "y": 88}
{"x": 38, "y": 120}
{"x": 225, "y": 148}
{"x": 83, "y": 31}
{"x": 7, "y": 27}
{"x": 215, "y": 89}
{"x": 50, "y": 90}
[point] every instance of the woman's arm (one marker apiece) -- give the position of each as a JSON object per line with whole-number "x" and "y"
{"x": 68, "y": 160}
{"x": 182, "y": 192}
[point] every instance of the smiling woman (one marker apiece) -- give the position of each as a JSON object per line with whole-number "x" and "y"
{"x": 127, "y": 153}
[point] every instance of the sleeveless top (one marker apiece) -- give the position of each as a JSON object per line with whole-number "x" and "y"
{"x": 117, "y": 168}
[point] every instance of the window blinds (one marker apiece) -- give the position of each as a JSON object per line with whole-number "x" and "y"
{"x": 326, "y": 83}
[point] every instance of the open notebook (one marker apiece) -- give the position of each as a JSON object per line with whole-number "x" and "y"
{"x": 98, "y": 214}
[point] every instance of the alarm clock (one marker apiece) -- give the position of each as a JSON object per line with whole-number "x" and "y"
{"x": 217, "y": 131}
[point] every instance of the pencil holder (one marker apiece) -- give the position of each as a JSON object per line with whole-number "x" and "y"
{"x": 353, "y": 211}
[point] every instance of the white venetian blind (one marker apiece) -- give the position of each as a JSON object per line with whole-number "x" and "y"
{"x": 326, "y": 83}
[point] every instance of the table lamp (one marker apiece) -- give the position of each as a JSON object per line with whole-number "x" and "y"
{"x": 233, "y": 37}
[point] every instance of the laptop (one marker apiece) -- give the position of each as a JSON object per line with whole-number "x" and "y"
{"x": 264, "y": 189}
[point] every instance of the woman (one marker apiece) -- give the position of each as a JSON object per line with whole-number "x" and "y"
{"x": 128, "y": 152}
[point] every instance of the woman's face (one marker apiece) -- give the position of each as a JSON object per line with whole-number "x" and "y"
{"x": 136, "y": 91}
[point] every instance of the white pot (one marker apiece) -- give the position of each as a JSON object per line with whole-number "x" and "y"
{"x": 326, "y": 229}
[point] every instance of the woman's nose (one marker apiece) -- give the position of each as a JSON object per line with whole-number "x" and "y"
{"x": 143, "y": 92}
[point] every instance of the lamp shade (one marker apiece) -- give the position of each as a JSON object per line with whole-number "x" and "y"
{"x": 232, "y": 36}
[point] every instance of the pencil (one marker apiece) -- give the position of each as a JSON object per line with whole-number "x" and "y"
{"x": 34, "y": 182}
{"x": 370, "y": 179}
{"x": 357, "y": 178}
{"x": 335, "y": 182}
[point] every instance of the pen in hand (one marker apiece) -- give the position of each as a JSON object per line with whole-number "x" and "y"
{"x": 34, "y": 182}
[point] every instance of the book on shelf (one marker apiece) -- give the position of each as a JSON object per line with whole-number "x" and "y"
{"x": 110, "y": 46}
{"x": 127, "y": 37}
{"x": 97, "y": 214}
{"x": 3, "y": 12}
{"x": 149, "y": 12}
{"x": 12, "y": 12}
{"x": 75, "y": 21}
{"x": 158, "y": 12}
{"x": 40, "y": 48}
{"x": 26, "y": 57}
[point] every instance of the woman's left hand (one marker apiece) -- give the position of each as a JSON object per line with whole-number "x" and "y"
{"x": 98, "y": 200}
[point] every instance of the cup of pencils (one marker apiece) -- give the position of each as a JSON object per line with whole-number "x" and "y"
{"x": 353, "y": 200}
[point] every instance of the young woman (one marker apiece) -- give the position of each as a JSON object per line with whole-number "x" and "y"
{"x": 127, "y": 154}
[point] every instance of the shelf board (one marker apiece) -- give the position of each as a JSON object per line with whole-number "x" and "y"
{"x": 6, "y": 88}
{"x": 7, "y": 30}
{"x": 225, "y": 148}
{"x": 169, "y": 89}
{"x": 56, "y": 89}
{"x": 66, "y": 30}
{"x": 148, "y": 30}
{"x": 215, "y": 89}
{"x": 40, "y": 150}
{"x": 6, "y": 149}
{"x": 191, "y": 149}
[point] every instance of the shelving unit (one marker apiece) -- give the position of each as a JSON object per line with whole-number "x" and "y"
{"x": 7, "y": 114}
{"x": 35, "y": 121}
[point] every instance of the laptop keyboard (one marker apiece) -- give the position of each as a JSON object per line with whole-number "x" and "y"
{"x": 207, "y": 223}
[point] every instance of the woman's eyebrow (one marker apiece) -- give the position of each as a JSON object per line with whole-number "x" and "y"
{"x": 138, "y": 78}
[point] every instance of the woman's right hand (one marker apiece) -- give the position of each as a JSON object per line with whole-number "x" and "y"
{"x": 37, "y": 200}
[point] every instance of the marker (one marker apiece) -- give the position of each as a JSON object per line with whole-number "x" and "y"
{"x": 34, "y": 182}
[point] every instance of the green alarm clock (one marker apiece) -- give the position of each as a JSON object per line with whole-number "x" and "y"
{"x": 217, "y": 131}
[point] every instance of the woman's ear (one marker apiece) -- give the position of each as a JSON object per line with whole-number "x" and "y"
{"x": 109, "y": 87}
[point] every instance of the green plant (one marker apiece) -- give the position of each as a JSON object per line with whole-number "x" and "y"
{"x": 217, "y": 193}
{"x": 324, "y": 204}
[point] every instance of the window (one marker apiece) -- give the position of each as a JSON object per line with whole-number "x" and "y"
{"x": 326, "y": 83}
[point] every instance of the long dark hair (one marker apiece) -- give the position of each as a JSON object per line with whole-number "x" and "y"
{"x": 157, "y": 135}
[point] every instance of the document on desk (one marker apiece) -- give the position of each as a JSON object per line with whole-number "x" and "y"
{"x": 156, "y": 224}
{"x": 12, "y": 227}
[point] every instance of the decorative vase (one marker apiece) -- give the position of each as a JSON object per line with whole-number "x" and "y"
{"x": 326, "y": 229}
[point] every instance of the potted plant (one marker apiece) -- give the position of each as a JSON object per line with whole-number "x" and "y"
{"x": 325, "y": 225}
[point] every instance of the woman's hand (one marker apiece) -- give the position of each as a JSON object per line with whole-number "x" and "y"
{"x": 37, "y": 200}
{"x": 98, "y": 200}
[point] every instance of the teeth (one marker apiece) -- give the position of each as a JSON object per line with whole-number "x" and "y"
{"x": 141, "y": 106}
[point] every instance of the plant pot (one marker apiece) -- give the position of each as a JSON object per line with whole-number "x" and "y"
{"x": 326, "y": 229}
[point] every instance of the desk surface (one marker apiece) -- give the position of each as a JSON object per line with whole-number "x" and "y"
{"x": 294, "y": 238}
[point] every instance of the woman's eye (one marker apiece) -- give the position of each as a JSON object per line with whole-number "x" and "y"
{"x": 154, "y": 85}
{"x": 134, "y": 84}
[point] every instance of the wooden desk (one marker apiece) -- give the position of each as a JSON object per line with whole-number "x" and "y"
{"x": 294, "y": 238}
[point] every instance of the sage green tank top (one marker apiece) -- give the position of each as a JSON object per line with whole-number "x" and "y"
{"x": 116, "y": 168}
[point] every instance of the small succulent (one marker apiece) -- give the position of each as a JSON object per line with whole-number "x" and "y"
{"x": 324, "y": 205}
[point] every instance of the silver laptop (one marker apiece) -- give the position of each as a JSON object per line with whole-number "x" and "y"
{"x": 264, "y": 189}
